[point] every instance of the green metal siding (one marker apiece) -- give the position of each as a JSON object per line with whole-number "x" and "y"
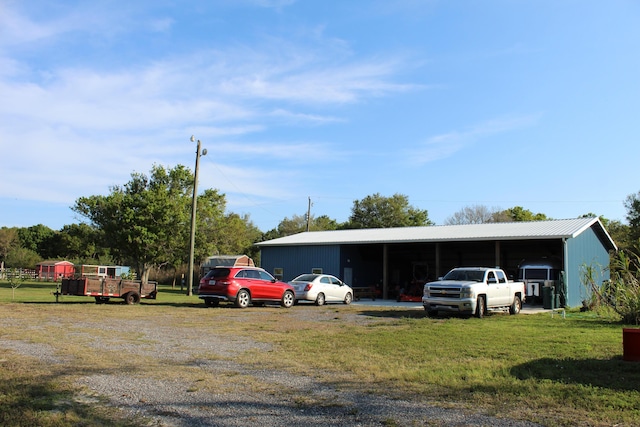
{"x": 296, "y": 260}
{"x": 585, "y": 249}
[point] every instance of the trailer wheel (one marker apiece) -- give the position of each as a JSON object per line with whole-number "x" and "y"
{"x": 132, "y": 298}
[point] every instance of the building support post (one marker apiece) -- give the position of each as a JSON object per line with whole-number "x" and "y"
{"x": 385, "y": 271}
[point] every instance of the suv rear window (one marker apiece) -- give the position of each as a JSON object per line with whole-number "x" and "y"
{"x": 217, "y": 273}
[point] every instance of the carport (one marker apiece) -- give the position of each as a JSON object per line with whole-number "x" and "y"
{"x": 390, "y": 259}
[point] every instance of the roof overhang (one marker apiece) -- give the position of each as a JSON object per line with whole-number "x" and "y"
{"x": 532, "y": 230}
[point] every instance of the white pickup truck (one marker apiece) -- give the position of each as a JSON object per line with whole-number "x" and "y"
{"x": 473, "y": 291}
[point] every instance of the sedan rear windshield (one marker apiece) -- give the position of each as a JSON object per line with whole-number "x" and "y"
{"x": 305, "y": 278}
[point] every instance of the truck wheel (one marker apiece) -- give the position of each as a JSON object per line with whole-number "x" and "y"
{"x": 102, "y": 300}
{"x": 516, "y": 306}
{"x": 320, "y": 299}
{"x": 288, "y": 299}
{"x": 132, "y": 298}
{"x": 431, "y": 313}
{"x": 243, "y": 299}
{"x": 481, "y": 307}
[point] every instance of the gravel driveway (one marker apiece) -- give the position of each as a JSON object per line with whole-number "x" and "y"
{"x": 175, "y": 402}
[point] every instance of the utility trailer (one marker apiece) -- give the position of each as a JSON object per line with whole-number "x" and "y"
{"x": 102, "y": 289}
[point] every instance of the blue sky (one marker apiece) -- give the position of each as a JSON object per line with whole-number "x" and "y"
{"x": 499, "y": 103}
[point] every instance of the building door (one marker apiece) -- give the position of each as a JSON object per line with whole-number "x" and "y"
{"x": 347, "y": 276}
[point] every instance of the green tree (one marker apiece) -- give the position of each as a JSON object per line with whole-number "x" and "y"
{"x": 83, "y": 244}
{"x": 518, "y": 213}
{"x": 323, "y": 223}
{"x": 298, "y": 224}
{"x": 210, "y": 227}
{"x": 146, "y": 222}
{"x": 20, "y": 257}
{"x": 41, "y": 239}
{"x": 632, "y": 204}
{"x": 295, "y": 224}
{"x": 235, "y": 236}
{"x": 8, "y": 240}
{"x": 376, "y": 211}
{"x": 619, "y": 232}
{"x": 286, "y": 227}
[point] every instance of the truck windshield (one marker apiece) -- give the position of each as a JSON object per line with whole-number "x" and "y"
{"x": 465, "y": 275}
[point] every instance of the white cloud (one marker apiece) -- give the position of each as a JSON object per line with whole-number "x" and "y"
{"x": 292, "y": 116}
{"x": 445, "y": 145}
{"x": 78, "y": 128}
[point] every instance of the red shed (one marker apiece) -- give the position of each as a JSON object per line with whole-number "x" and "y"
{"x": 54, "y": 270}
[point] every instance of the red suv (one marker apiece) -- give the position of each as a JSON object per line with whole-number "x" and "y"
{"x": 243, "y": 286}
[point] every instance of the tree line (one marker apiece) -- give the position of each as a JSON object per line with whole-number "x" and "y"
{"x": 145, "y": 223}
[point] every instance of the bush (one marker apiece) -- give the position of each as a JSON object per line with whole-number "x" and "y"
{"x": 621, "y": 292}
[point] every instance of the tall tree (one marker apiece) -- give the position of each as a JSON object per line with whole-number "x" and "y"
{"x": 146, "y": 221}
{"x": 476, "y": 214}
{"x": 376, "y": 211}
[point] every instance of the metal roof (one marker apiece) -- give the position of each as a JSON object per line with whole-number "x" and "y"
{"x": 533, "y": 230}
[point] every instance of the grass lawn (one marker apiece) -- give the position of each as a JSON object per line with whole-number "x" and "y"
{"x": 555, "y": 371}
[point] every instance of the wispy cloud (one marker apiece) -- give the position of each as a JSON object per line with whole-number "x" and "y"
{"x": 300, "y": 152}
{"x": 445, "y": 145}
{"x": 126, "y": 117}
{"x": 303, "y": 118}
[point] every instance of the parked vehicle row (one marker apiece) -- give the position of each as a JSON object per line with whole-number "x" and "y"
{"x": 471, "y": 290}
{"x": 243, "y": 286}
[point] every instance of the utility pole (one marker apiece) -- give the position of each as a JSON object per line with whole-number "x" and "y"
{"x": 309, "y": 215}
{"x": 194, "y": 203}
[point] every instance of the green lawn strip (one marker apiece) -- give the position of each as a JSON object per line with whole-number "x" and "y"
{"x": 563, "y": 370}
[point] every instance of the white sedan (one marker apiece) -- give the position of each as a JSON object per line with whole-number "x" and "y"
{"x": 321, "y": 289}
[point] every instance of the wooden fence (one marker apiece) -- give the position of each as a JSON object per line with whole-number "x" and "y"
{"x": 20, "y": 273}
